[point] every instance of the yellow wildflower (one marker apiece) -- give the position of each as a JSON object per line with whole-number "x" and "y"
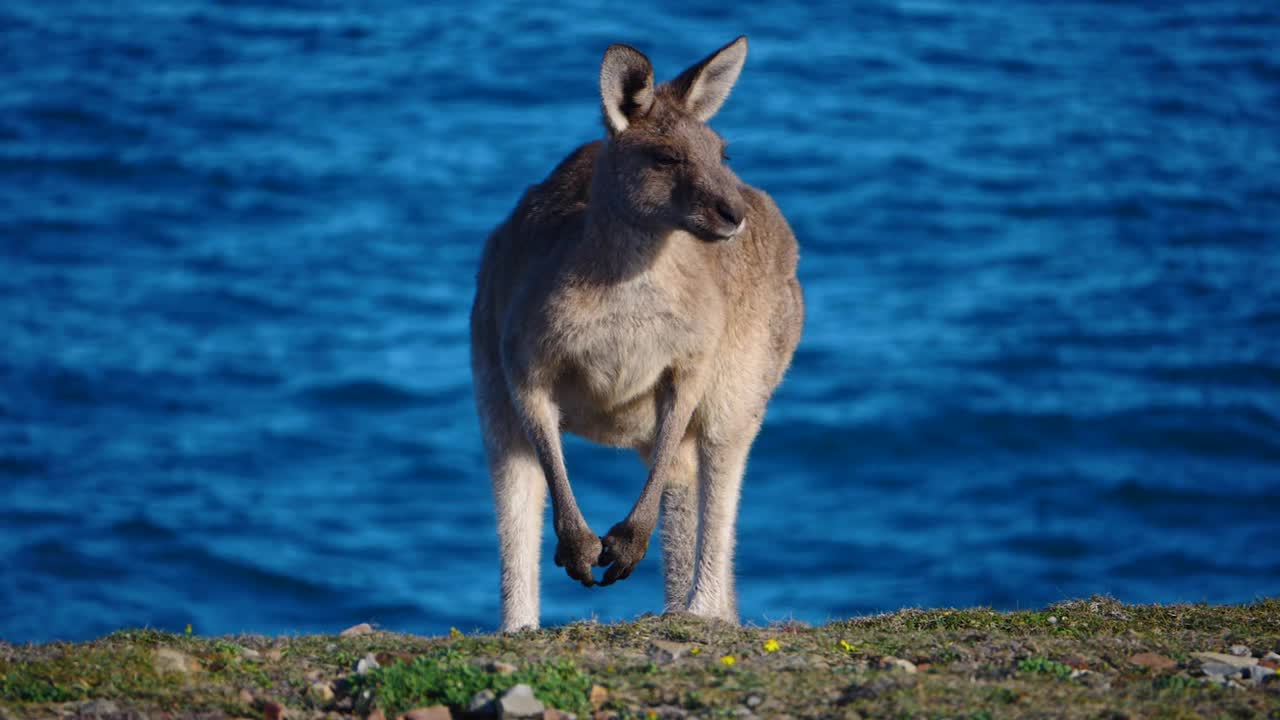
{"x": 695, "y": 650}
{"x": 651, "y": 715}
{"x": 728, "y": 660}
{"x": 188, "y": 629}
{"x": 845, "y": 646}
{"x": 455, "y": 632}
{"x": 771, "y": 645}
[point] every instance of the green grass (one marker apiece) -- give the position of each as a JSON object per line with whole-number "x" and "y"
{"x": 973, "y": 663}
{"x": 448, "y": 677}
{"x": 1046, "y": 666}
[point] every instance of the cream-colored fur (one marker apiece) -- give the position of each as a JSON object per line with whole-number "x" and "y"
{"x": 641, "y": 296}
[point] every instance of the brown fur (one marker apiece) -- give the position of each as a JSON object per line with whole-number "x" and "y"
{"x": 641, "y": 296}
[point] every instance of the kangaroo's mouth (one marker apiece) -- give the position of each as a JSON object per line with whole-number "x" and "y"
{"x": 719, "y": 232}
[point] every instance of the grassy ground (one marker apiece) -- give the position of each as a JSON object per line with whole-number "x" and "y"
{"x": 1071, "y": 660}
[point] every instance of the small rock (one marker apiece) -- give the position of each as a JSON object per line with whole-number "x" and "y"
{"x": 554, "y": 714}
{"x": 484, "y": 703}
{"x": 519, "y": 702}
{"x": 1225, "y": 659}
{"x": 502, "y": 668}
{"x": 320, "y": 693}
{"x": 1240, "y": 651}
{"x": 666, "y": 651}
{"x": 1154, "y": 661}
{"x": 94, "y": 708}
{"x": 889, "y": 662}
{"x": 1257, "y": 674}
{"x": 246, "y": 697}
{"x": 275, "y": 655}
{"x": 754, "y": 700}
{"x": 1053, "y": 620}
{"x": 376, "y": 714}
{"x": 361, "y": 629}
{"x": 434, "y": 712}
{"x": 598, "y": 696}
{"x": 272, "y": 710}
{"x": 1219, "y": 671}
{"x": 366, "y": 664}
{"x": 170, "y": 660}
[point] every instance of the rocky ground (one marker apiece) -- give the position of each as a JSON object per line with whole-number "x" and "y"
{"x": 1087, "y": 658}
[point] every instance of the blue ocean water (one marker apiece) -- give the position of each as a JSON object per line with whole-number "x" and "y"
{"x": 1040, "y": 246}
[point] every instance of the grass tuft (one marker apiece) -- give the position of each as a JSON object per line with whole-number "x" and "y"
{"x": 447, "y": 677}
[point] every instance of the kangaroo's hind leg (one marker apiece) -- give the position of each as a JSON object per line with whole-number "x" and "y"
{"x": 680, "y": 527}
{"x": 519, "y": 493}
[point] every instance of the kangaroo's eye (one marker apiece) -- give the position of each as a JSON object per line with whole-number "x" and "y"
{"x": 665, "y": 159}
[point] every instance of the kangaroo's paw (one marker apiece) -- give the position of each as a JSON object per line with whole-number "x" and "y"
{"x": 577, "y": 551}
{"x": 624, "y": 547}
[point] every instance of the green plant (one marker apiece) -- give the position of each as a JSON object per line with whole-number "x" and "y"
{"x": 448, "y": 678}
{"x": 1046, "y": 666}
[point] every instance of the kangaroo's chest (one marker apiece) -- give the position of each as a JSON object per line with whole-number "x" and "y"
{"x": 618, "y": 343}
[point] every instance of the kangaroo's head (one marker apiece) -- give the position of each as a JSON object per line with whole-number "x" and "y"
{"x": 662, "y": 168}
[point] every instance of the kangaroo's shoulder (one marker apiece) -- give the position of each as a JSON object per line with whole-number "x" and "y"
{"x": 565, "y": 192}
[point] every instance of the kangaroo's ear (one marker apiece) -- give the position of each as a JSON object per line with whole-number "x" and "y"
{"x": 704, "y": 87}
{"x": 626, "y": 87}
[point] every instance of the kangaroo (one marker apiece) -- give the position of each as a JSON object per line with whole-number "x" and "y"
{"x": 641, "y": 296}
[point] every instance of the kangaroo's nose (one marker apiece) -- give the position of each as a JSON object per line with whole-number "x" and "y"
{"x": 729, "y": 213}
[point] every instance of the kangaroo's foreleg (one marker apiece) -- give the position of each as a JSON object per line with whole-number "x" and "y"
{"x": 578, "y": 548}
{"x": 628, "y": 541}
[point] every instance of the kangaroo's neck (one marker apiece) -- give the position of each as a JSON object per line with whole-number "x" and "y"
{"x": 612, "y": 250}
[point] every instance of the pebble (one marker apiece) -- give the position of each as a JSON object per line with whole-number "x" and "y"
{"x": 519, "y": 702}
{"x": 320, "y": 693}
{"x": 1219, "y": 670}
{"x": 1256, "y": 675}
{"x": 1154, "y": 661}
{"x": 1225, "y": 659}
{"x": 598, "y": 696}
{"x": 366, "y": 664}
{"x": 666, "y": 651}
{"x": 94, "y": 708}
{"x": 376, "y": 714}
{"x": 889, "y": 662}
{"x": 246, "y": 697}
{"x": 484, "y": 703}
{"x": 502, "y": 668}
{"x": 361, "y": 629}
{"x": 434, "y": 712}
{"x": 170, "y": 660}
{"x": 754, "y": 700}
{"x": 553, "y": 714}
{"x": 1240, "y": 651}
{"x": 272, "y": 710}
